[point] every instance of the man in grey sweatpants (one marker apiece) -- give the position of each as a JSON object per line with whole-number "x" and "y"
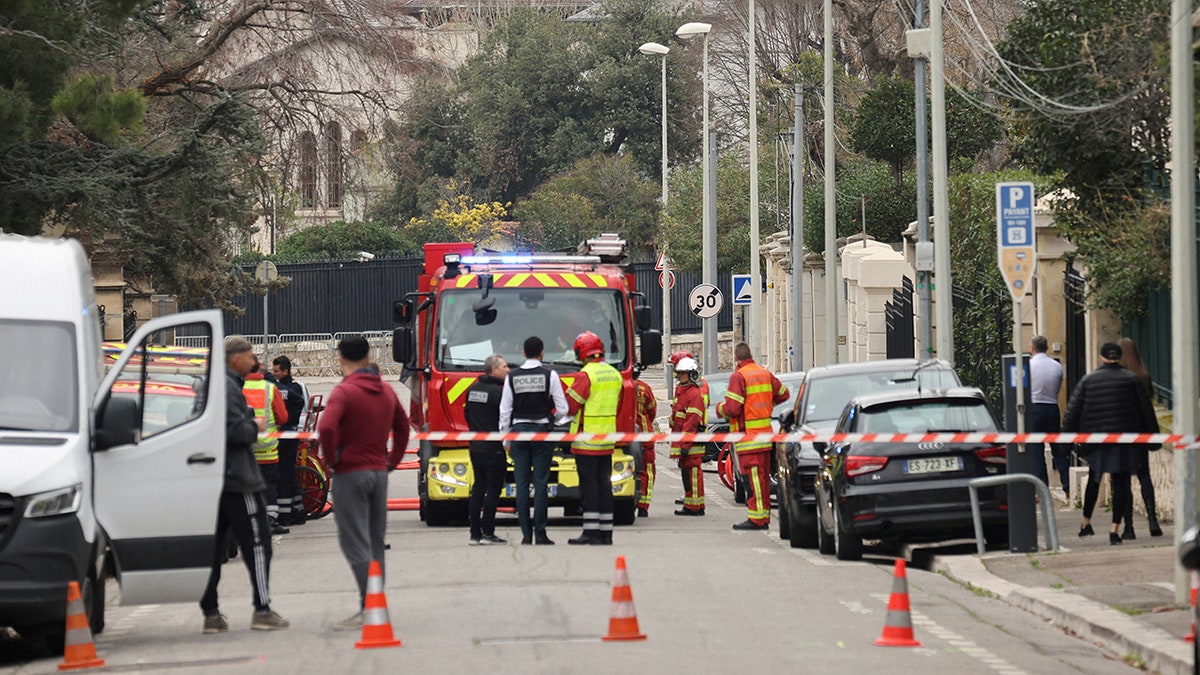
{"x": 360, "y": 414}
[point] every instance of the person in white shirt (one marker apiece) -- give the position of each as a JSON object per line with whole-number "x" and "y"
{"x": 531, "y": 399}
{"x": 1045, "y": 381}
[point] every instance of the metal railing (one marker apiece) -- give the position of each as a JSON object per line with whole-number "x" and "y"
{"x": 1048, "y": 521}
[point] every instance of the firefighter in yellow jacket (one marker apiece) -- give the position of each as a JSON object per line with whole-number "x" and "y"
{"x": 753, "y": 392}
{"x": 267, "y": 401}
{"x": 592, "y": 401}
{"x": 644, "y": 412}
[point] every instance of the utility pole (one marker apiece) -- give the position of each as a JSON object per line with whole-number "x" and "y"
{"x": 941, "y": 198}
{"x": 831, "y": 275}
{"x": 1184, "y": 315}
{"x": 918, "y": 48}
{"x": 796, "y": 298}
{"x": 753, "y": 329}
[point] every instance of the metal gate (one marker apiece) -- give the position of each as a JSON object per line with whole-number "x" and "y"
{"x": 1074, "y": 293}
{"x": 899, "y": 312}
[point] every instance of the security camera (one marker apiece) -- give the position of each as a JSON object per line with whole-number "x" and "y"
{"x": 364, "y": 256}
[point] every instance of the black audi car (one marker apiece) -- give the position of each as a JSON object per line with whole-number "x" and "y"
{"x": 909, "y": 491}
{"x": 815, "y": 408}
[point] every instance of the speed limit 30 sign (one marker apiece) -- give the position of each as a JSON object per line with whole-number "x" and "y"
{"x": 705, "y": 301}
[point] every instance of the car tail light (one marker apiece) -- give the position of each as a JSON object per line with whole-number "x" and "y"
{"x": 993, "y": 455}
{"x": 857, "y": 465}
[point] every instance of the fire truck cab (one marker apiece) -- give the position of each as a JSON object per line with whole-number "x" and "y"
{"x": 471, "y": 305}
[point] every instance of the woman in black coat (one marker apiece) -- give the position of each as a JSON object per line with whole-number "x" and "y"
{"x": 1132, "y": 361}
{"x": 1109, "y": 399}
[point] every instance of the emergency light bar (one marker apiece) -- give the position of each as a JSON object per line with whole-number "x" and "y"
{"x": 529, "y": 259}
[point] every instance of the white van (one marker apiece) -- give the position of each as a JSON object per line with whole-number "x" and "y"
{"x": 97, "y": 475}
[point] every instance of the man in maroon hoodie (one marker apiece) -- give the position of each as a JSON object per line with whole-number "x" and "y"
{"x": 359, "y": 414}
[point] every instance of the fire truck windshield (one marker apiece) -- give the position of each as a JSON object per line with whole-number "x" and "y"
{"x": 556, "y": 315}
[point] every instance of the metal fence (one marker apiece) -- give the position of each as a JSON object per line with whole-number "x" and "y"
{"x": 349, "y": 296}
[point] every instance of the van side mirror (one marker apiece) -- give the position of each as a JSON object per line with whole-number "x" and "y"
{"x": 651, "y": 347}
{"x": 118, "y": 423}
{"x": 404, "y": 345}
{"x": 641, "y": 316}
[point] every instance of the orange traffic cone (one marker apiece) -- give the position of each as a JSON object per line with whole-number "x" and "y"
{"x": 1191, "y": 636}
{"x": 898, "y": 630}
{"x": 377, "y": 627}
{"x": 622, "y": 622}
{"x": 80, "y": 652}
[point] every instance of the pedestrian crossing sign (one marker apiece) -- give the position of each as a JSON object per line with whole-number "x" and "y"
{"x": 743, "y": 289}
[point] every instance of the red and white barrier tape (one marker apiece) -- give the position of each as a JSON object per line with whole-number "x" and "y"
{"x": 796, "y": 437}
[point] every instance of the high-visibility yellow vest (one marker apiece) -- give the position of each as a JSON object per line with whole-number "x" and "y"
{"x": 259, "y": 394}
{"x": 599, "y": 412}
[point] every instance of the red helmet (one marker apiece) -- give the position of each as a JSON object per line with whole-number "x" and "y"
{"x": 588, "y": 345}
{"x": 673, "y": 359}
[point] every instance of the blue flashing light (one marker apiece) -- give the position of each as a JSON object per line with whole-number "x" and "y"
{"x": 504, "y": 260}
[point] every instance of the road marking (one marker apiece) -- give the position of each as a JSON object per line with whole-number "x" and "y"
{"x": 855, "y": 606}
{"x": 953, "y": 639}
{"x": 764, "y": 551}
{"x": 537, "y": 639}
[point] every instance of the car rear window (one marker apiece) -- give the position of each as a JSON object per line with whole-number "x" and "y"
{"x": 827, "y": 396}
{"x": 920, "y": 417}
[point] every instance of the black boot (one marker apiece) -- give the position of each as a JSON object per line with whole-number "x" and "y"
{"x": 1128, "y": 533}
{"x": 1155, "y": 530}
{"x": 588, "y": 538}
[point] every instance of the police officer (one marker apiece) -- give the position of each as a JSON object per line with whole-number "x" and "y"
{"x": 753, "y": 392}
{"x": 288, "y": 496}
{"x": 488, "y": 464}
{"x": 592, "y": 400}
{"x": 688, "y": 416}
{"x": 532, "y": 397}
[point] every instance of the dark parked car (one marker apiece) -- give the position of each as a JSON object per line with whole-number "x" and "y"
{"x": 909, "y": 491}
{"x": 717, "y": 384}
{"x": 815, "y": 409}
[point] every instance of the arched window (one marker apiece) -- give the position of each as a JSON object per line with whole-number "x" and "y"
{"x": 358, "y": 141}
{"x": 308, "y": 170}
{"x": 333, "y": 165}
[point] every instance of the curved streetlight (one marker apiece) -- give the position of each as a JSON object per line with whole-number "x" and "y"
{"x": 709, "y": 248}
{"x": 655, "y": 49}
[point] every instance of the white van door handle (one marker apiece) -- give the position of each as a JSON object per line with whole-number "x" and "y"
{"x": 201, "y": 458}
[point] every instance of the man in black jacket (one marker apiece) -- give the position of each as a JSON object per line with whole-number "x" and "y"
{"x": 243, "y": 508}
{"x": 1109, "y": 399}
{"x": 487, "y": 457}
{"x": 287, "y": 494}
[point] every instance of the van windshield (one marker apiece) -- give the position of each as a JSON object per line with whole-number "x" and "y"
{"x": 39, "y": 376}
{"x": 556, "y": 315}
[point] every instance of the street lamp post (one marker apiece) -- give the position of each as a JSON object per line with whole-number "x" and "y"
{"x": 709, "y": 246}
{"x": 655, "y": 49}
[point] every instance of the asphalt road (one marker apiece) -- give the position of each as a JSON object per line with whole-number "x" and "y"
{"x": 709, "y": 599}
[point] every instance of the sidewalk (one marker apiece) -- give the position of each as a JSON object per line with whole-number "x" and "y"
{"x": 1120, "y": 597}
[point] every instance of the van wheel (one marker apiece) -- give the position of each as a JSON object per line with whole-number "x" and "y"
{"x": 624, "y": 511}
{"x": 93, "y": 601}
{"x": 437, "y": 514}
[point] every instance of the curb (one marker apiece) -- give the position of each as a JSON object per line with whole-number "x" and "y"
{"x": 1092, "y": 621}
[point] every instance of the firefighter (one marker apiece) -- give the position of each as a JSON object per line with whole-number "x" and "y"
{"x": 592, "y": 401}
{"x": 267, "y": 401}
{"x": 753, "y": 392}
{"x": 687, "y": 416}
{"x": 645, "y": 410}
{"x": 674, "y": 360}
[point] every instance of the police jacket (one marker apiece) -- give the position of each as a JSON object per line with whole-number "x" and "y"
{"x": 241, "y": 469}
{"x": 293, "y": 399}
{"x": 482, "y": 410}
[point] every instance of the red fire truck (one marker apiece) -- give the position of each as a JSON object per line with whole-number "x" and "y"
{"x": 469, "y": 305}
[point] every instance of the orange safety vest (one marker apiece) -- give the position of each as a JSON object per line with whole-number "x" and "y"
{"x": 756, "y": 408}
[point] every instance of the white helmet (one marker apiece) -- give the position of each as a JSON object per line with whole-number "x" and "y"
{"x": 687, "y": 365}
